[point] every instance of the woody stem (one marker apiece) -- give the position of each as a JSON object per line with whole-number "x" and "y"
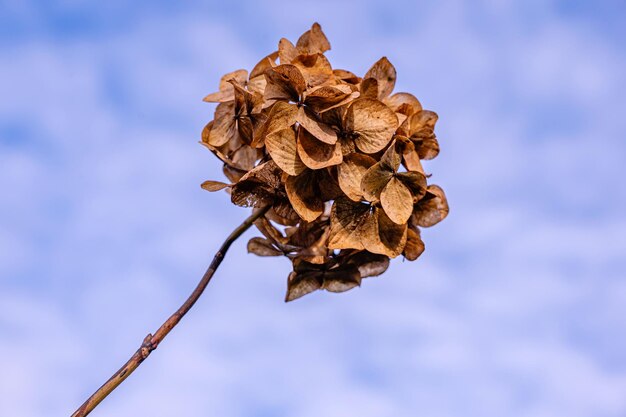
{"x": 151, "y": 342}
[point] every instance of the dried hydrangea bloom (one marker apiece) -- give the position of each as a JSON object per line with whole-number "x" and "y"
{"x": 335, "y": 157}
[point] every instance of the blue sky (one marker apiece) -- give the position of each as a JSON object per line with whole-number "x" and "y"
{"x": 517, "y": 308}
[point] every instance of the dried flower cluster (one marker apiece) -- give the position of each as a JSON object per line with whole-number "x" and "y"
{"x": 335, "y": 156}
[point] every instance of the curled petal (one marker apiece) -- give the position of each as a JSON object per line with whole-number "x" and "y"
{"x": 341, "y": 279}
{"x": 316, "y": 154}
{"x": 284, "y": 82}
{"x": 385, "y": 74}
{"x": 316, "y": 127}
{"x": 259, "y": 187}
{"x": 431, "y": 209}
{"x": 414, "y": 245}
{"x": 226, "y": 89}
{"x": 403, "y": 102}
{"x": 316, "y": 69}
{"x": 301, "y": 284}
{"x": 304, "y": 194}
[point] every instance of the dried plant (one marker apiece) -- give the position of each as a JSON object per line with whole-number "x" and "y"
{"x": 335, "y": 156}
{"x": 331, "y": 164}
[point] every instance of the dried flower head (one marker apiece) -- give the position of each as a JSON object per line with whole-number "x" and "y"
{"x": 336, "y": 157}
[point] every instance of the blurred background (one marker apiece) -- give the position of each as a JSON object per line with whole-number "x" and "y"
{"x": 517, "y": 307}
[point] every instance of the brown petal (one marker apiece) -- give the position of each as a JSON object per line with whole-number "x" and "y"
{"x": 316, "y": 69}
{"x": 313, "y": 41}
{"x": 341, "y": 279}
{"x": 391, "y": 159}
{"x": 325, "y": 97}
{"x": 233, "y": 174}
{"x": 284, "y": 82}
{"x": 350, "y": 173}
{"x": 409, "y": 155}
{"x": 316, "y": 127}
{"x": 304, "y": 195}
{"x": 374, "y": 180}
{"x": 226, "y": 89}
{"x": 262, "y": 247}
{"x": 224, "y": 125}
{"x": 385, "y": 74}
{"x": 214, "y": 185}
{"x": 346, "y": 76}
{"x": 422, "y": 133}
{"x": 301, "y": 284}
{"x": 245, "y": 157}
{"x": 282, "y": 147}
{"x": 373, "y": 122}
{"x": 414, "y": 245}
{"x": 369, "y": 88}
{"x": 398, "y": 100}
{"x": 370, "y": 264}
{"x": 316, "y": 154}
{"x": 397, "y": 201}
{"x": 287, "y": 52}
{"x": 432, "y": 209}
{"x": 282, "y": 116}
{"x": 259, "y": 187}
{"x": 389, "y": 238}
{"x": 349, "y": 222}
{"x": 263, "y": 65}
{"x": 415, "y": 182}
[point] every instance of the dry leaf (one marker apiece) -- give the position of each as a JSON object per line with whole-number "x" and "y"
{"x": 226, "y": 92}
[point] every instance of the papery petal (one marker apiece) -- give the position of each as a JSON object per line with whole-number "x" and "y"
{"x": 214, "y": 185}
{"x": 432, "y": 209}
{"x": 414, "y": 244}
{"x": 262, "y": 247}
{"x": 350, "y": 173}
{"x": 304, "y": 195}
{"x": 388, "y": 238}
{"x": 385, "y": 74}
{"x": 313, "y": 41}
{"x": 373, "y": 122}
{"x": 284, "y": 82}
{"x": 316, "y": 154}
{"x": 282, "y": 147}
{"x": 397, "y": 201}
{"x": 309, "y": 121}
{"x": 349, "y": 223}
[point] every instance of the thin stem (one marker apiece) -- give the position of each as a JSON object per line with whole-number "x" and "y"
{"x": 151, "y": 342}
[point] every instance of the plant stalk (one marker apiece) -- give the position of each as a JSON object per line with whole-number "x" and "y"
{"x": 151, "y": 342}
